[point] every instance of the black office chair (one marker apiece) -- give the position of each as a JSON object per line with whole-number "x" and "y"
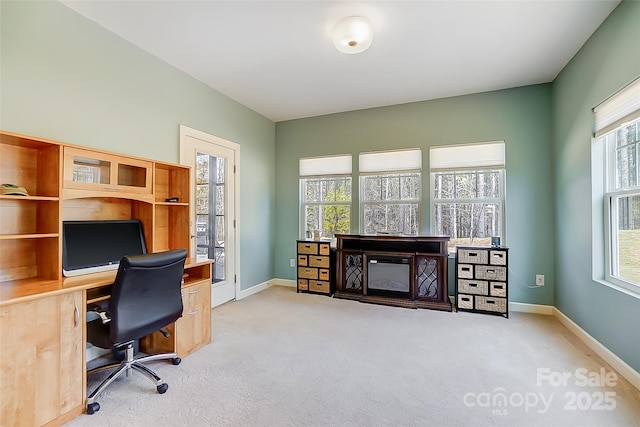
{"x": 146, "y": 297}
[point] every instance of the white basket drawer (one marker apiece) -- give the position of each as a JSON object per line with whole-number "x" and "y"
{"x": 489, "y": 272}
{"x": 465, "y": 271}
{"x": 498, "y": 257}
{"x": 465, "y": 302}
{"x": 498, "y": 289}
{"x": 499, "y": 305}
{"x": 477, "y": 287}
{"x": 473, "y": 256}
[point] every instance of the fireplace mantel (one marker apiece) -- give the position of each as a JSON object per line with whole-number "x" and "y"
{"x": 426, "y": 257}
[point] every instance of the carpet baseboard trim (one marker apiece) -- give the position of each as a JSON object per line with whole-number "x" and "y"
{"x": 616, "y": 363}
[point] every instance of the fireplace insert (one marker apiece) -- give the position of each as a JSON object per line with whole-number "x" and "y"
{"x": 389, "y": 275}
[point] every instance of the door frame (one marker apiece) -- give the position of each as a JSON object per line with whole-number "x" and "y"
{"x": 186, "y": 132}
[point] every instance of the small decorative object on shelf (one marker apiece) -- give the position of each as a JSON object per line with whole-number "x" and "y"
{"x": 315, "y": 267}
{"x": 482, "y": 279}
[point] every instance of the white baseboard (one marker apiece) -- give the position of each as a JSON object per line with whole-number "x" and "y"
{"x": 254, "y": 289}
{"x": 616, "y": 363}
{"x": 284, "y": 282}
{"x": 531, "y": 308}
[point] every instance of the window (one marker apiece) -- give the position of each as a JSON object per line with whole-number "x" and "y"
{"x": 468, "y": 192}
{"x": 390, "y": 191}
{"x": 325, "y": 195}
{"x": 618, "y": 130}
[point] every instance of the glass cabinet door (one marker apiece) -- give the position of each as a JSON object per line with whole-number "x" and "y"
{"x": 85, "y": 169}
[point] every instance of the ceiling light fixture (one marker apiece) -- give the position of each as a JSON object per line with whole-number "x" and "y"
{"x": 353, "y": 34}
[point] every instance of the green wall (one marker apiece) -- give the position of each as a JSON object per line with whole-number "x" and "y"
{"x": 606, "y": 63}
{"x": 65, "y": 78}
{"x": 520, "y": 116}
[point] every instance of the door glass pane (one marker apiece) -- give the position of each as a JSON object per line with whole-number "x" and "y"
{"x": 210, "y": 211}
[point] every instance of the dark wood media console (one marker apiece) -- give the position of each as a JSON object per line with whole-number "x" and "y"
{"x": 397, "y": 270}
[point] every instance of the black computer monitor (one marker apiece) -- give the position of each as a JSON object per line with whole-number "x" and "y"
{"x": 94, "y": 246}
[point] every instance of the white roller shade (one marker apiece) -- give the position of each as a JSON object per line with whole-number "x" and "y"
{"x": 467, "y": 156}
{"x": 622, "y": 107}
{"x": 388, "y": 161}
{"x": 330, "y": 165}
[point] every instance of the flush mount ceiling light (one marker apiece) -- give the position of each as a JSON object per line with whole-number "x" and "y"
{"x": 353, "y": 34}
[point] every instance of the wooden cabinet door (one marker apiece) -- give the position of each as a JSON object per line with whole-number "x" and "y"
{"x": 193, "y": 329}
{"x": 42, "y": 360}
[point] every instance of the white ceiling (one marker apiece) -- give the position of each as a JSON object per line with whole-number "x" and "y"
{"x": 278, "y": 58}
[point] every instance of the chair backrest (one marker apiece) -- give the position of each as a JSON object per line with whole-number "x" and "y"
{"x": 146, "y": 294}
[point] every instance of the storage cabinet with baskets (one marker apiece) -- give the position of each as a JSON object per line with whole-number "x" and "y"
{"x": 482, "y": 279}
{"x": 314, "y": 260}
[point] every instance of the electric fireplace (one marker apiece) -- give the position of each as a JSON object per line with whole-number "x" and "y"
{"x": 389, "y": 275}
{"x": 400, "y": 270}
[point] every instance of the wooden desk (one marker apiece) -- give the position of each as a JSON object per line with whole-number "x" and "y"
{"x": 43, "y": 341}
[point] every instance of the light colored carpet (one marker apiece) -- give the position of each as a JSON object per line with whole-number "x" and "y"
{"x": 279, "y": 358}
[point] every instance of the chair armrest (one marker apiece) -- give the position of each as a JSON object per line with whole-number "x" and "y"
{"x": 100, "y": 310}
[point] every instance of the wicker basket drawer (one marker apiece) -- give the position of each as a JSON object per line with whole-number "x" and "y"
{"x": 498, "y": 257}
{"x": 310, "y": 248}
{"x": 473, "y": 256}
{"x": 319, "y": 286}
{"x": 307, "y": 273}
{"x": 302, "y": 260}
{"x": 465, "y": 271}
{"x": 477, "y": 287}
{"x": 498, "y": 289}
{"x": 325, "y": 248}
{"x": 303, "y": 285}
{"x": 499, "y": 305}
{"x": 319, "y": 261}
{"x": 488, "y": 272}
{"x": 465, "y": 302}
{"x": 323, "y": 274}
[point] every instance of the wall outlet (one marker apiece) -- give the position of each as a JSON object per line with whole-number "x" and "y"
{"x": 539, "y": 279}
{"x": 292, "y": 262}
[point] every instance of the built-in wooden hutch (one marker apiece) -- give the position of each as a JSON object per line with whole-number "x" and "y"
{"x": 42, "y": 328}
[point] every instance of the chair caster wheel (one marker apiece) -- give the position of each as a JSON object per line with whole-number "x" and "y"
{"x": 94, "y": 407}
{"x": 176, "y": 360}
{"x": 162, "y": 388}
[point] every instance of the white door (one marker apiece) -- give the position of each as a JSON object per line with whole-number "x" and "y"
{"x": 213, "y": 164}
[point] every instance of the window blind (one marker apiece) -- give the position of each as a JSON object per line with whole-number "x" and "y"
{"x": 391, "y": 161}
{"x": 467, "y": 156}
{"x": 330, "y": 165}
{"x": 622, "y": 107}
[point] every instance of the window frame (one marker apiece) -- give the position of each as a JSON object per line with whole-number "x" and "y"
{"x": 493, "y": 157}
{"x": 500, "y": 201}
{"x": 610, "y": 204}
{"x": 325, "y": 168}
{"x": 387, "y": 163}
{"x": 363, "y": 203}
